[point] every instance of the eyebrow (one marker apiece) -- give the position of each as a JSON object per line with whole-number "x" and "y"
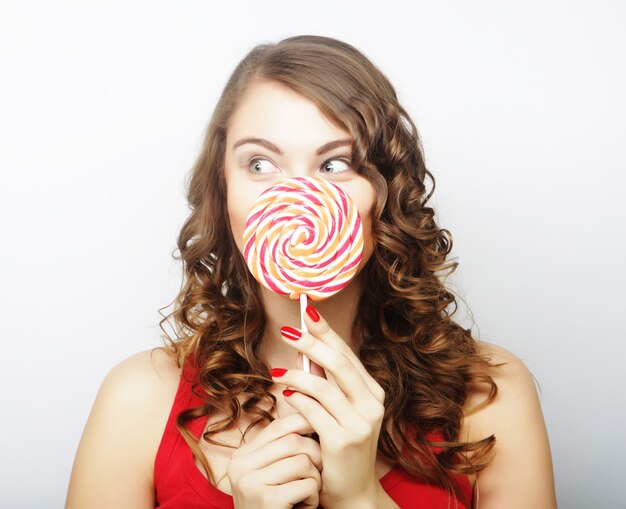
{"x": 270, "y": 146}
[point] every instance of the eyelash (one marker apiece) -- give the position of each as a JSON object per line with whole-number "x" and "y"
{"x": 347, "y": 161}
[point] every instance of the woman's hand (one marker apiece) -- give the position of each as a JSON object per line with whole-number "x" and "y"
{"x": 346, "y": 411}
{"x": 278, "y": 468}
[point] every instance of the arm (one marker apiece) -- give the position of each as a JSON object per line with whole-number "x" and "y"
{"x": 521, "y": 473}
{"x": 113, "y": 466}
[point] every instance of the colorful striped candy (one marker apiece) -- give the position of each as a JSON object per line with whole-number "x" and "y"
{"x": 303, "y": 235}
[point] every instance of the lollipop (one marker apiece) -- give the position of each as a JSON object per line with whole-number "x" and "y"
{"x": 303, "y": 237}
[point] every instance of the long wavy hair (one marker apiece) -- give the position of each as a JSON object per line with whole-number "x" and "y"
{"x": 425, "y": 361}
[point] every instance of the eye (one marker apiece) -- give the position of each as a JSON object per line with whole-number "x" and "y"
{"x": 328, "y": 164}
{"x": 255, "y": 166}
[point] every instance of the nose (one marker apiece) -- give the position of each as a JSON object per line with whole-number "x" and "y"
{"x": 301, "y": 164}
{"x": 301, "y": 168}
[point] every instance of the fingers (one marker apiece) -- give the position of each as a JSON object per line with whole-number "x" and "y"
{"x": 285, "y": 471}
{"x": 346, "y": 374}
{"x": 313, "y": 391}
{"x": 302, "y": 493}
{"x": 292, "y": 423}
{"x": 291, "y": 445}
{"x": 322, "y": 330}
{"x": 289, "y": 469}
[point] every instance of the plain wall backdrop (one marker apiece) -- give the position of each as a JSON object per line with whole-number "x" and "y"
{"x": 103, "y": 107}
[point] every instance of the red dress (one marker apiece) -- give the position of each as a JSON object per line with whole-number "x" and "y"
{"x": 179, "y": 484}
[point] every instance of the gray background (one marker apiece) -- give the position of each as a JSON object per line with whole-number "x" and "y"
{"x": 521, "y": 108}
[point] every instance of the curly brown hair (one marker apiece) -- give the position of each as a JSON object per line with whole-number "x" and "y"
{"x": 426, "y": 362}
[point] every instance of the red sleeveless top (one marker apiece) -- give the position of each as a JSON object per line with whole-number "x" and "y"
{"x": 179, "y": 484}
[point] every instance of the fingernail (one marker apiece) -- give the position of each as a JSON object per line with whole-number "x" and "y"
{"x": 288, "y": 392}
{"x": 278, "y": 372}
{"x": 312, "y": 312}
{"x": 290, "y": 333}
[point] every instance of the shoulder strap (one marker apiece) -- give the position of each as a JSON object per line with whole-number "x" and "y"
{"x": 182, "y": 400}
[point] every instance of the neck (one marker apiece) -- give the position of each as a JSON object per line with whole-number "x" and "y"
{"x": 339, "y": 311}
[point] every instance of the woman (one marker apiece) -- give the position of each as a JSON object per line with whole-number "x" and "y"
{"x": 402, "y": 408}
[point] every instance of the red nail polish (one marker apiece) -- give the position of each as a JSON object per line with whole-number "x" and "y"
{"x": 312, "y": 312}
{"x": 288, "y": 392}
{"x": 290, "y": 333}
{"x": 277, "y": 372}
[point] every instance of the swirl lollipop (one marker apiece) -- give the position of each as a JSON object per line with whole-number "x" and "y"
{"x": 303, "y": 237}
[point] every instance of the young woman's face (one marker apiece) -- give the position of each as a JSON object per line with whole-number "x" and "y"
{"x": 293, "y": 125}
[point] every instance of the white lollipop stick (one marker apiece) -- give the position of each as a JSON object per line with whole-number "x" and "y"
{"x": 306, "y": 366}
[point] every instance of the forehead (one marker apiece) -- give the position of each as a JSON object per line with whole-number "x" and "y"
{"x": 273, "y": 111}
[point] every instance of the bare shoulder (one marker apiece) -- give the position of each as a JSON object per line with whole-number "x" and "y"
{"x": 496, "y": 352}
{"x": 144, "y": 383}
{"x": 144, "y": 386}
{"x": 508, "y": 372}
{"x": 520, "y": 473}
{"x": 153, "y": 367}
{"x": 114, "y": 463}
